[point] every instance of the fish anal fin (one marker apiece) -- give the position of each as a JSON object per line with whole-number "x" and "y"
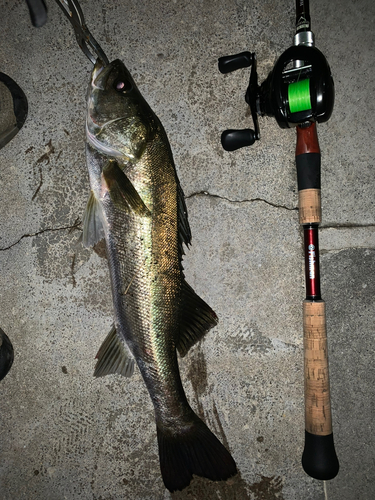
{"x": 196, "y": 319}
{"x": 122, "y": 191}
{"x": 114, "y": 356}
{"x": 93, "y": 224}
{"x": 195, "y": 450}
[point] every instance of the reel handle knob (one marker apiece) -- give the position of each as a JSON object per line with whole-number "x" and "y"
{"x": 235, "y": 139}
{"x": 234, "y": 62}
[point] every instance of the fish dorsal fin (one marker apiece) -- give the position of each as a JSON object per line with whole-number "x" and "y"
{"x": 122, "y": 191}
{"x": 196, "y": 319}
{"x": 184, "y": 233}
{"x": 93, "y": 229}
{"x": 114, "y": 356}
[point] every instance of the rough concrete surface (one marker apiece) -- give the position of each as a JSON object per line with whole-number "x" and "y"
{"x": 66, "y": 435}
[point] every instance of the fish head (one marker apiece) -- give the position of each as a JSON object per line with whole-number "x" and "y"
{"x": 119, "y": 121}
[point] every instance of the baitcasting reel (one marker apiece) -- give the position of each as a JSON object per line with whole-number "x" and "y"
{"x": 298, "y": 91}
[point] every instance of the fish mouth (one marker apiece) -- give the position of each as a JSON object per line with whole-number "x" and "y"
{"x": 101, "y": 73}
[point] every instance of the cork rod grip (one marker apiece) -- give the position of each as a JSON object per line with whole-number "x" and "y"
{"x": 317, "y": 396}
{"x": 309, "y": 206}
{"x": 319, "y": 458}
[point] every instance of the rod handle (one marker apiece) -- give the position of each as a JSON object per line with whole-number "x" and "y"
{"x": 308, "y": 160}
{"x": 319, "y": 458}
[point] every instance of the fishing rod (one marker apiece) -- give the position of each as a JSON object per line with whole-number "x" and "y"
{"x": 299, "y": 92}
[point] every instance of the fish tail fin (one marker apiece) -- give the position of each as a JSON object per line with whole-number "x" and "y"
{"x": 195, "y": 450}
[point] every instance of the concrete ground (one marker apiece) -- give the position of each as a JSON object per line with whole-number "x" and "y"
{"x": 66, "y": 435}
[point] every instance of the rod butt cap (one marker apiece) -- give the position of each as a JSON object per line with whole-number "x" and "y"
{"x": 319, "y": 459}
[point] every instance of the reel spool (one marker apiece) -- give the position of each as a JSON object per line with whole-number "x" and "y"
{"x": 298, "y": 91}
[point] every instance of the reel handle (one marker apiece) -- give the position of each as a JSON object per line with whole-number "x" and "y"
{"x": 235, "y": 139}
{"x": 227, "y": 64}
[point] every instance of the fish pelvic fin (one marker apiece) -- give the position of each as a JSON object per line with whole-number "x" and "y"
{"x": 122, "y": 191}
{"x": 114, "y": 356}
{"x": 193, "y": 451}
{"x": 93, "y": 228}
{"x": 196, "y": 319}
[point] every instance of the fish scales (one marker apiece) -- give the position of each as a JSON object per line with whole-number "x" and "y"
{"x": 143, "y": 254}
{"x": 137, "y": 204}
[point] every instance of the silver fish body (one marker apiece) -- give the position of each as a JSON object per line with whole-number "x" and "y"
{"x": 137, "y": 204}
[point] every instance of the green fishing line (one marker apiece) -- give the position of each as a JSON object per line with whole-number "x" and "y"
{"x": 299, "y": 96}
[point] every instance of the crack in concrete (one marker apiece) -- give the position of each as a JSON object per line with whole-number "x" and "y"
{"x": 76, "y": 225}
{"x": 337, "y": 250}
{"x": 338, "y": 226}
{"x": 360, "y": 242}
{"x": 347, "y": 225}
{"x": 249, "y": 200}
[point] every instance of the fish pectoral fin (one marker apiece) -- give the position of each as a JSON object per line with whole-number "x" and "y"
{"x": 114, "y": 356}
{"x": 93, "y": 229}
{"x": 196, "y": 319}
{"x": 122, "y": 191}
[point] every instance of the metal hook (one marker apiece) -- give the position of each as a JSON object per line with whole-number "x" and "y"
{"x": 86, "y": 41}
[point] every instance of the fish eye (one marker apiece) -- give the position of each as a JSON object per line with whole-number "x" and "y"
{"x": 122, "y": 86}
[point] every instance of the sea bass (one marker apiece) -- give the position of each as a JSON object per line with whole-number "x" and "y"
{"x": 137, "y": 205}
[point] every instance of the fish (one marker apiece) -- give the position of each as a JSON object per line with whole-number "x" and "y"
{"x": 137, "y": 204}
